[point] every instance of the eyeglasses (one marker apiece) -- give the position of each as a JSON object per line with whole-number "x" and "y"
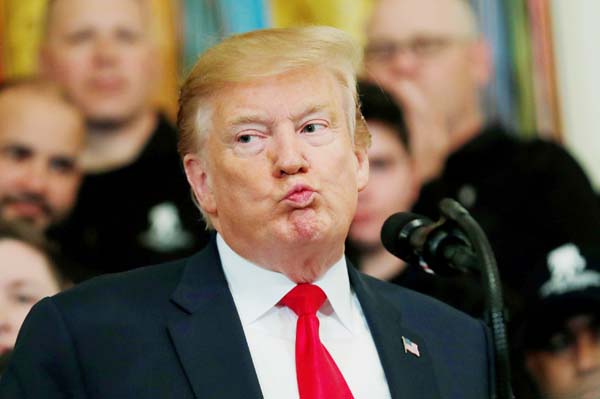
{"x": 420, "y": 46}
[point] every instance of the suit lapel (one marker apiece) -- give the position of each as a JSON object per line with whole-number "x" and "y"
{"x": 208, "y": 334}
{"x": 408, "y": 375}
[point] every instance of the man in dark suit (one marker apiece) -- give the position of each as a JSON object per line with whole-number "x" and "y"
{"x": 274, "y": 148}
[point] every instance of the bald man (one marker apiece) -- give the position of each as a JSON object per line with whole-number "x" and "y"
{"x": 41, "y": 142}
{"x": 135, "y": 207}
{"x": 528, "y": 196}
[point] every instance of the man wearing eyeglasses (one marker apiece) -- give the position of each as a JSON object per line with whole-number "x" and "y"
{"x": 529, "y": 197}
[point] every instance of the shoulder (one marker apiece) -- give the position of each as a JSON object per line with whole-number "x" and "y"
{"x": 458, "y": 345}
{"x": 128, "y": 297}
{"x": 419, "y": 308}
{"x": 450, "y": 333}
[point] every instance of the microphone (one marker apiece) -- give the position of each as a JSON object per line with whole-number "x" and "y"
{"x": 442, "y": 246}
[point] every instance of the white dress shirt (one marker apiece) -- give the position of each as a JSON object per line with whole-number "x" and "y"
{"x": 271, "y": 329}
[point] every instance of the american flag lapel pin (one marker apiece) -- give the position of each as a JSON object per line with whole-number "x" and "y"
{"x": 410, "y": 347}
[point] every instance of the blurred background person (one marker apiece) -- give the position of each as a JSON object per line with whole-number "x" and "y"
{"x": 135, "y": 207}
{"x": 392, "y": 188}
{"x": 41, "y": 141}
{"x": 28, "y": 273}
{"x": 561, "y": 337}
{"x": 529, "y": 196}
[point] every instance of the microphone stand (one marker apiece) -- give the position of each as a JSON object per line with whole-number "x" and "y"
{"x": 494, "y": 313}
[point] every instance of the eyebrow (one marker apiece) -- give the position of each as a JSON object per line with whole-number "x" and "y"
{"x": 263, "y": 119}
{"x": 324, "y": 108}
{"x": 249, "y": 119}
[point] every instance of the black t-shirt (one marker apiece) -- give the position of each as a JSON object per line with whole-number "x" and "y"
{"x": 133, "y": 216}
{"x": 528, "y": 196}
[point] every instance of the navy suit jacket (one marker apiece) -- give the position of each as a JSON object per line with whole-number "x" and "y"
{"x": 172, "y": 331}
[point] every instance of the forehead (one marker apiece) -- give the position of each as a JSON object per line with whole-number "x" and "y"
{"x": 66, "y": 14}
{"x": 40, "y": 121}
{"x": 384, "y": 138}
{"x": 31, "y": 263}
{"x": 279, "y": 97}
{"x": 405, "y": 18}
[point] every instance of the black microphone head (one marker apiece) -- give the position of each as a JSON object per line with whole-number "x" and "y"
{"x": 396, "y": 231}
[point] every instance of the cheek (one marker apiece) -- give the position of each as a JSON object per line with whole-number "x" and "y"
{"x": 556, "y": 376}
{"x": 139, "y": 66}
{"x": 72, "y": 69}
{"x": 18, "y": 315}
{"x": 343, "y": 184}
{"x": 12, "y": 176}
{"x": 15, "y": 314}
{"x": 251, "y": 186}
{"x": 6, "y": 176}
{"x": 63, "y": 192}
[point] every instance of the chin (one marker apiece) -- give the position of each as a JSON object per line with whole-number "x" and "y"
{"x": 306, "y": 225}
{"x": 108, "y": 115}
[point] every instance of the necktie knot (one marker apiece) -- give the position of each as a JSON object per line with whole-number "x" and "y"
{"x": 304, "y": 299}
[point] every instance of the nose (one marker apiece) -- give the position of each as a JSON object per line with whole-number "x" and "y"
{"x": 288, "y": 153}
{"x": 35, "y": 177}
{"x": 587, "y": 348}
{"x": 105, "y": 51}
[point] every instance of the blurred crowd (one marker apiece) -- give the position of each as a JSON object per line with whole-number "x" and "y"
{"x": 91, "y": 180}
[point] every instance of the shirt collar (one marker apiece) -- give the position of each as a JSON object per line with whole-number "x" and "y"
{"x": 257, "y": 290}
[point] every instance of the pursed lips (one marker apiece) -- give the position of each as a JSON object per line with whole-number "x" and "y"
{"x": 300, "y": 196}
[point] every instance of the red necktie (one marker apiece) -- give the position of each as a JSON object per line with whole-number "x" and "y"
{"x": 318, "y": 375}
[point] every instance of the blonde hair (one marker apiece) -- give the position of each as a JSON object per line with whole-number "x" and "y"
{"x": 261, "y": 54}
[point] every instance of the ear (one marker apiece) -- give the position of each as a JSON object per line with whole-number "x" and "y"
{"x": 199, "y": 180}
{"x": 362, "y": 172}
{"x": 481, "y": 61}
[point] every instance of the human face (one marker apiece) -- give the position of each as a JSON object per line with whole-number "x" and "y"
{"x": 430, "y": 43}
{"x": 280, "y": 172}
{"x": 40, "y": 144}
{"x": 572, "y": 368}
{"x": 100, "y": 51}
{"x": 391, "y": 186}
{"x": 25, "y": 278}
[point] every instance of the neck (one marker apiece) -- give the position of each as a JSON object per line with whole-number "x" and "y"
{"x": 301, "y": 263}
{"x": 381, "y": 264}
{"x": 111, "y": 146}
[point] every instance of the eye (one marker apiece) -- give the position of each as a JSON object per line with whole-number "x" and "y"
{"x": 79, "y": 36}
{"x": 379, "y": 164}
{"x": 246, "y": 138}
{"x": 17, "y": 153}
{"x": 62, "y": 165}
{"x": 381, "y": 50}
{"x": 427, "y": 45}
{"x": 24, "y": 298}
{"x": 560, "y": 342}
{"x": 249, "y": 142}
{"x": 313, "y": 127}
{"x": 128, "y": 36}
